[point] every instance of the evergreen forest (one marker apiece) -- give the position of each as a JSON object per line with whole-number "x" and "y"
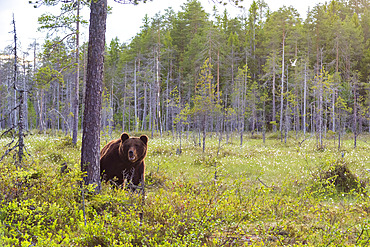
{"x": 206, "y": 72}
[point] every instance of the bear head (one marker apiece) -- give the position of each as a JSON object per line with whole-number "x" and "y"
{"x": 133, "y": 149}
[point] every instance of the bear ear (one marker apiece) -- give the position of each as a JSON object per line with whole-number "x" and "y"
{"x": 144, "y": 139}
{"x": 124, "y": 137}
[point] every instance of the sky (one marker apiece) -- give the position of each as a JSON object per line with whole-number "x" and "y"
{"x": 124, "y": 22}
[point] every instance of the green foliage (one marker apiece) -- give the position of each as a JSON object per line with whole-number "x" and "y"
{"x": 342, "y": 105}
{"x": 204, "y": 99}
{"x": 46, "y": 75}
{"x": 65, "y": 20}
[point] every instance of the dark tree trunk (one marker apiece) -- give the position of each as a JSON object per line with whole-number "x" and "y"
{"x": 204, "y": 131}
{"x": 21, "y": 102}
{"x": 90, "y": 152}
{"x": 355, "y": 115}
{"x": 21, "y": 127}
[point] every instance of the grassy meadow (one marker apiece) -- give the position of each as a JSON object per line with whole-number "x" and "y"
{"x": 257, "y": 194}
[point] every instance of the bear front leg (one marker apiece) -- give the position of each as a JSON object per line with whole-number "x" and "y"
{"x": 138, "y": 176}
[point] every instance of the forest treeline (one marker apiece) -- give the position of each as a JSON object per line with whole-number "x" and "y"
{"x": 191, "y": 70}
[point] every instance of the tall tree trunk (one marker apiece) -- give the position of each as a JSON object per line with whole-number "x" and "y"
{"x": 334, "y": 91}
{"x": 90, "y": 152}
{"x": 53, "y": 107}
{"x": 67, "y": 108}
{"x": 77, "y": 79}
{"x": 355, "y": 114}
{"x": 158, "y": 81}
{"x": 273, "y": 93}
{"x": 135, "y": 99}
{"x": 320, "y": 112}
{"x": 151, "y": 108}
{"x": 282, "y": 89}
{"x": 144, "y": 123}
{"x": 304, "y": 100}
{"x": 264, "y": 122}
{"x": 25, "y": 77}
{"x": 124, "y": 101}
{"x": 287, "y": 107}
{"x": 84, "y": 86}
{"x": 20, "y": 127}
{"x": 169, "y": 79}
{"x": 111, "y": 113}
{"x": 158, "y": 92}
{"x": 204, "y": 131}
{"x": 58, "y": 105}
{"x": 40, "y": 103}
{"x": 21, "y": 102}
{"x": 218, "y": 75}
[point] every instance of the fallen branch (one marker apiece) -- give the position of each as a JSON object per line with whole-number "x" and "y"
{"x": 263, "y": 183}
{"x": 300, "y": 143}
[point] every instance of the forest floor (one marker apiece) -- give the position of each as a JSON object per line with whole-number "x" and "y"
{"x": 255, "y": 194}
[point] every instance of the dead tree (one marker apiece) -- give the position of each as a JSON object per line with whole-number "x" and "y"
{"x": 20, "y": 107}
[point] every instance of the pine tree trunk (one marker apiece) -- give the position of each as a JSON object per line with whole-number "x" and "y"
{"x": 111, "y": 113}
{"x": 167, "y": 104}
{"x": 287, "y": 108}
{"x": 218, "y": 75}
{"x": 83, "y": 87}
{"x": 320, "y": 113}
{"x": 124, "y": 101}
{"x": 58, "y": 106}
{"x": 355, "y": 115}
{"x": 273, "y": 94}
{"x": 204, "y": 131}
{"x": 21, "y": 128}
{"x": 144, "y": 123}
{"x": 304, "y": 100}
{"x": 158, "y": 93}
{"x": 77, "y": 79}
{"x": 135, "y": 99}
{"x": 282, "y": 90}
{"x": 264, "y": 122}
{"x": 90, "y": 152}
{"x": 25, "y": 113}
{"x": 40, "y": 109}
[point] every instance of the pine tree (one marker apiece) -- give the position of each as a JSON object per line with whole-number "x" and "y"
{"x": 90, "y": 151}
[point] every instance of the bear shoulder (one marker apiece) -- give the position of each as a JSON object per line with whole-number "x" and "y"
{"x": 110, "y": 148}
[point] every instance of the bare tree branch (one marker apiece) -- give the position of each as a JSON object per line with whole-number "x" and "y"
{"x": 8, "y": 151}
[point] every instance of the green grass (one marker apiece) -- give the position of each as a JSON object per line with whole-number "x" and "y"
{"x": 259, "y": 194}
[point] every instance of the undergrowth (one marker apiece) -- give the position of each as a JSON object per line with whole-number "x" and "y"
{"x": 271, "y": 194}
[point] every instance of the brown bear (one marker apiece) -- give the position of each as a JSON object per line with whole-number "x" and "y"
{"x": 124, "y": 159}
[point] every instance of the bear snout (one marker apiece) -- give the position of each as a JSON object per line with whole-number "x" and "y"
{"x": 131, "y": 155}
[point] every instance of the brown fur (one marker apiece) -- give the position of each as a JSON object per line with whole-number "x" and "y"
{"x": 123, "y": 159}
